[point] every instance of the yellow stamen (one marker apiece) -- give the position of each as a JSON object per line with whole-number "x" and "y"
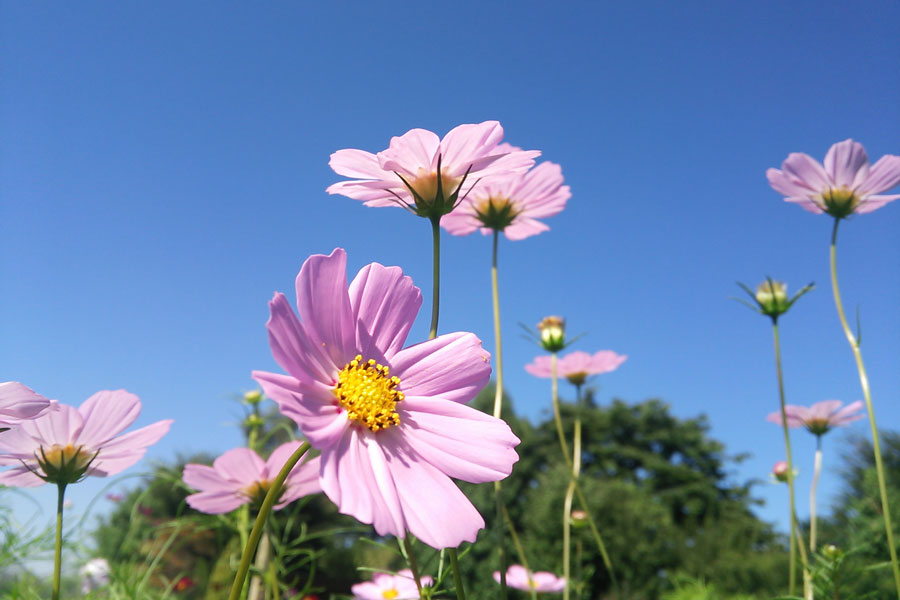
{"x": 842, "y": 200}
{"x": 390, "y": 594}
{"x": 426, "y": 185}
{"x": 368, "y": 393}
{"x": 66, "y": 456}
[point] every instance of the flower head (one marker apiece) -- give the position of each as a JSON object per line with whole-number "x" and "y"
{"x": 94, "y": 575}
{"x": 780, "y": 471}
{"x": 520, "y": 578}
{"x": 19, "y": 403}
{"x": 577, "y": 366}
{"x": 552, "y": 332}
{"x": 844, "y": 185}
{"x": 240, "y": 476}
{"x": 771, "y": 297}
{"x": 391, "y": 422}
{"x": 426, "y": 174}
{"x": 820, "y": 417}
{"x": 511, "y": 203}
{"x": 65, "y": 445}
{"x": 384, "y": 586}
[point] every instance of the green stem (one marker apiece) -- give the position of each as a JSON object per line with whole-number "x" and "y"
{"x": 436, "y": 275}
{"x": 557, "y": 419}
{"x": 57, "y": 556}
{"x": 498, "y": 407}
{"x": 413, "y": 565}
{"x": 519, "y": 549}
{"x": 457, "y": 576}
{"x": 864, "y": 383}
{"x": 817, "y": 470}
{"x": 570, "y": 491}
{"x": 795, "y": 534}
{"x": 258, "y": 527}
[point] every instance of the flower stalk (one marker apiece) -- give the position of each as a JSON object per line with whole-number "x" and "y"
{"x": 57, "y": 553}
{"x": 436, "y": 275}
{"x": 864, "y": 384}
{"x": 498, "y": 407}
{"x": 570, "y": 491}
{"x": 817, "y": 470}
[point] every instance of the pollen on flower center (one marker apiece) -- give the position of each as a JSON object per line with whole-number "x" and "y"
{"x": 425, "y": 184}
{"x": 61, "y": 457}
{"x": 390, "y": 594}
{"x": 368, "y": 393}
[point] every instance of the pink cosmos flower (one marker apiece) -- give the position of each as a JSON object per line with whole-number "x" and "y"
{"x": 19, "y": 403}
{"x": 424, "y": 173}
{"x": 577, "y": 366}
{"x": 518, "y": 577}
{"x": 820, "y": 417}
{"x": 240, "y": 476}
{"x": 64, "y": 445}
{"x": 844, "y": 185}
{"x": 401, "y": 586}
{"x": 391, "y": 422}
{"x": 511, "y": 203}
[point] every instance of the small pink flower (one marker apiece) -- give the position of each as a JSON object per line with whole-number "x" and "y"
{"x": 240, "y": 476}
{"x": 384, "y": 586}
{"x": 576, "y": 366}
{"x": 391, "y": 422}
{"x": 19, "y": 403}
{"x": 820, "y": 417}
{"x": 780, "y": 471}
{"x": 424, "y": 173}
{"x": 70, "y": 443}
{"x": 846, "y": 184}
{"x": 511, "y": 203}
{"x": 519, "y": 577}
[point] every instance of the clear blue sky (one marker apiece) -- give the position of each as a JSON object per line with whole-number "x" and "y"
{"x": 163, "y": 170}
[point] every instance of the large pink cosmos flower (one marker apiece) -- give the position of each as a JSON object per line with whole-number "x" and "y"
{"x": 820, "y": 417}
{"x": 844, "y": 185}
{"x": 401, "y": 586}
{"x": 19, "y": 403}
{"x": 519, "y": 577}
{"x": 426, "y": 174}
{"x": 77, "y": 442}
{"x": 391, "y": 422}
{"x": 240, "y": 476}
{"x": 511, "y": 203}
{"x": 577, "y": 366}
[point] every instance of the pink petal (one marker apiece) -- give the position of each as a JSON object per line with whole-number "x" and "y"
{"x": 303, "y": 481}
{"x": 604, "y": 361}
{"x": 241, "y": 465}
{"x": 453, "y": 366}
{"x": 371, "y": 195}
{"x": 414, "y": 150}
{"x": 312, "y": 406}
{"x": 358, "y": 164}
{"x": 107, "y": 414}
{"x": 366, "y": 591}
{"x": 57, "y": 427}
{"x": 823, "y": 410}
{"x": 541, "y": 366}
{"x": 783, "y": 184}
{"x": 548, "y": 582}
{"x": 20, "y": 477}
{"x": 18, "y": 443}
{"x": 291, "y": 347}
{"x": 870, "y": 203}
{"x": 206, "y": 479}
{"x": 883, "y": 175}
{"x": 524, "y": 227}
{"x": 126, "y": 450}
{"x": 806, "y": 204}
{"x": 216, "y": 503}
{"x": 803, "y": 170}
{"x": 846, "y": 415}
{"x": 847, "y": 163}
{"x": 385, "y": 303}
{"x": 461, "y": 221}
{"x": 103, "y": 466}
{"x": 470, "y": 147}
{"x": 19, "y": 402}
{"x": 460, "y": 441}
{"x": 324, "y": 306}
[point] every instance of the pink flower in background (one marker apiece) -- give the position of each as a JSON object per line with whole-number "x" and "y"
{"x": 780, "y": 471}
{"x": 439, "y": 171}
{"x": 511, "y": 203}
{"x": 240, "y": 476}
{"x": 19, "y": 403}
{"x": 64, "y": 445}
{"x": 820, "y": 417}
{"x": 844, "y": 185}
{"x": 391, "y": 422}
{"x": 577, "y": 366}
{"x": 401, "y": 586}
{"x": 519, "y": 577}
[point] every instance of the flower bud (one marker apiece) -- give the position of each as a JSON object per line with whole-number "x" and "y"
{"x": 253, "y": 397}
{"x": 772, "y": 297}
{"x": 553, "y": 333}
{"x": 579, "y": 519}
{"x": 254, "y": 421}
{"x": 780, "y": 471}
{"x": 831, "y": 551}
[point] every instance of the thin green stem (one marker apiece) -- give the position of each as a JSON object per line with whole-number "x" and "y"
{"x": 795, "y": 534}
{"x": 864, "y": 383}
{"x": 817, "y": 470}
{"x": 413, "y": 565}
{"x": 570, "y": 491}
{"x": 519, "y": 549}
{"x": 274, "y": 491}
{"x": 498, "y": 500}
{"x": 57, "y": 555}
{"x": 457, "y": 576}
{"x": 557, "y": 419}
{"x": 436, "y": 275}
{"x": 498, "y": 407}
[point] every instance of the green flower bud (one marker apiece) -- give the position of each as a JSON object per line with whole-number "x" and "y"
{"x": 253, "y": 397}
{"x": 553, "y": 333}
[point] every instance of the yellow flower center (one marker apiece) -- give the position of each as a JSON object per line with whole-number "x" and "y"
{"x": 840, "y": 202}
{"x": 577, "y": 378}
{"x": 496, "y": 212}
{"x": 368, "y": 393}
{"x": 426, "y": 186}
{"x": 257, "y": 490}
{"x": 67, "y": 456}
{"x": 390, "y": 594}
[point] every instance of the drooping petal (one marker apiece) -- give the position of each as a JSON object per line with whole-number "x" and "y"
{"x": 524, "y": 227}
{"x": 324, "y": 305}
{"x": 20, "y": 477}
{"x": 19, "y": 402}
{"x": 385, "y": 304}
{"x": 870, "y": 203}
{"x": 847, "y": 163}
{"x": 216, "y": 503}
{"x": 460, "y": 221}
{"x": 806, "y": 204}
{"x": 358, "y": 164}
{"x": 452, "y": 366}
{"x": 107, "y": 414}
{"x": 459, "y": 440}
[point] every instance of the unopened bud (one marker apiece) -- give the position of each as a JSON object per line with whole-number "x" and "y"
{"x": 579, "y": 519}
{"x": 553, "y": 333}
{"x": 832, "y": 551}
{"x": 253, "y": 397}
{"x": 254, "y": 421}
{"x": 780, "y": 471}
{"x": 772, "y": 297}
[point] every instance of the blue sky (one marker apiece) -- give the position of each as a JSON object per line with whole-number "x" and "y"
{"x": 163, "y": 167}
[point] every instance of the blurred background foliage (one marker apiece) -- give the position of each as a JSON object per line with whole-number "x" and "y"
{"x": 677, "y": 525}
